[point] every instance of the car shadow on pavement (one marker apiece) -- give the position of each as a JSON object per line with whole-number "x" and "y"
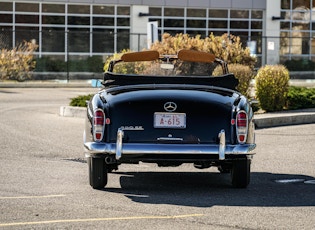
{"x": 206, "y": 189}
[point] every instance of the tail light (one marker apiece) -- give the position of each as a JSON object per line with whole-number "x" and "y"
{"x": 241, "y": 126}
{"x": 98, "y": 125}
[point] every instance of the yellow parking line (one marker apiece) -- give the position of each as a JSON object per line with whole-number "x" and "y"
{"x": 98, "y": 219}
{"x": 29, "y": 197}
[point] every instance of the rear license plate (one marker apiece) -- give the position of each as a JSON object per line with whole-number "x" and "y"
{"x": 170, "y": 120}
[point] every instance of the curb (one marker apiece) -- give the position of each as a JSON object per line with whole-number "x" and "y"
{"x": 47, "y": 84}
{"x": 270, "y": 120}
{"x": 261, "y": 121}
{"x": 72, "y": 111}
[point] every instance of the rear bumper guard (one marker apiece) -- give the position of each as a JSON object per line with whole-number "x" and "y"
{"x": 119, "y": 148}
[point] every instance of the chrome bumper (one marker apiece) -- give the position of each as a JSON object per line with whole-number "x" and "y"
{"x": 119, "y": 148}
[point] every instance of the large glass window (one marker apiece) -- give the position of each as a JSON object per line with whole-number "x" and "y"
{"x": 203, "y": 22}
{"x": 153, "y": 11}
{"x": 6, "y": 6}
{"x": 26, "y": 19}
{"x": 6, "y": 37}
{"x": 103, "y": 40}
{"x": 123, "y": 40}
{"x": 257, "y": 25}
{"x": 218, "y": 14}
{"x": 53, "y": 39}
{"x": 174, "y": 23}
{"x": 26, "y": 34}
{"x": 213, "y": 24}
{"x": 123, "y": 10}
{"x": 53, "y": 8}
{"x": 6, "y": 18}
{"x": 78, "y": 40}
{"x": 173, "y": 12}
{"x": 196, "y": 23}
{"x": 78, "y": 9}
{"x": 202, "y": 33}
{"x": 67, "y": 30}
{"x": 53, "y": 20}
{"x": 104, "y": 10}
{"x": 257, "y": 14}
{"x": 123, "y": 21}
{"x": 77, "y": 20}
{"x": 297, "y": 29}
{"x": 196, "y": 13}
{"x": 26, "y": 7}
{"x": 98, "y": 21}
{"x": 239, "y": 14}
{"x": 239, "y": 25}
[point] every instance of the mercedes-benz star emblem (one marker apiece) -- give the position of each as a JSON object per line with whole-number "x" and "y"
{"x": 170, "y": 106}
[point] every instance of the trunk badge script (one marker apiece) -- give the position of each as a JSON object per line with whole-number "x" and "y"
{"x": 134, "y": 128}
{"x": 170, "y": 106}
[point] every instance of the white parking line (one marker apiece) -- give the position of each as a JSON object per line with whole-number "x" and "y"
{"x": 98, "y": 219}
{"x": 288, "y": 181}
{"x": 30, "y": 197}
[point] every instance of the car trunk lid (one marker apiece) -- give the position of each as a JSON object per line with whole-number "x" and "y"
{"x": 170, "y": 116}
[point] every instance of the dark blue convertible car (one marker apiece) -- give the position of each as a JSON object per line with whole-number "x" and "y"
{"x": 165, "y": 112}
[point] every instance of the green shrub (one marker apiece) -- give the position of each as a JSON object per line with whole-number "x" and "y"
{"x": 243, "y": 73}
{"x": 47, "y": 64}
{"x": 90, "y": 64}
{"x": 300, "y": 98}
{"x": 95, "y": 64}
{"x": 272, "y": 83}
{"x": 300, "y": 65}
{"x": 80, "y": 101}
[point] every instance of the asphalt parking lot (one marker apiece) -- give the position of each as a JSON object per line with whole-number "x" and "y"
{"x": 44, "y": 178}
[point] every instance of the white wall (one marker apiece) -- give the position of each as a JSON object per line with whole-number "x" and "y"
{"x": 138, "y": 25}
{"x": 272, "y": 32}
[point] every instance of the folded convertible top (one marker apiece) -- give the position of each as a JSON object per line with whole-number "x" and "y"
{"x": 225, "y": 81}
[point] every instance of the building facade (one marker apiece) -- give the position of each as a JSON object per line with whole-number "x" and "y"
{"x": 275, "y": 30}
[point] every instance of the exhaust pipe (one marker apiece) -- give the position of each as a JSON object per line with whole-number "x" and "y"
{"x": 110, "y": 160}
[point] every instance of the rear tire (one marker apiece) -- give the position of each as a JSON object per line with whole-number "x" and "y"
{"x": 97, "y": 172}
{"x": 240, "y": 173}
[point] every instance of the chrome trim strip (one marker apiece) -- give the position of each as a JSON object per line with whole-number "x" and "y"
{"x": 120, "y": 135}
{"x": 222, "y": 145}
{"x": 170, "y": 139}
{"x": 92, "y": 148}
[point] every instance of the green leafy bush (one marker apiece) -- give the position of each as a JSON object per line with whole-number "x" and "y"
{"x": 90, "y": 64}
{"x": 47, "y": 64}
{"x": 272, "y": 85}
{"x": 300, "y": 98}
{"x": 300, "y": 65}
{"x": 80, "y": 101}
{"x": 243, "y": 73}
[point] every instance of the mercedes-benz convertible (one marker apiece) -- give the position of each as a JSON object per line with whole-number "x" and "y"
{"x": 169, "y": 110}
